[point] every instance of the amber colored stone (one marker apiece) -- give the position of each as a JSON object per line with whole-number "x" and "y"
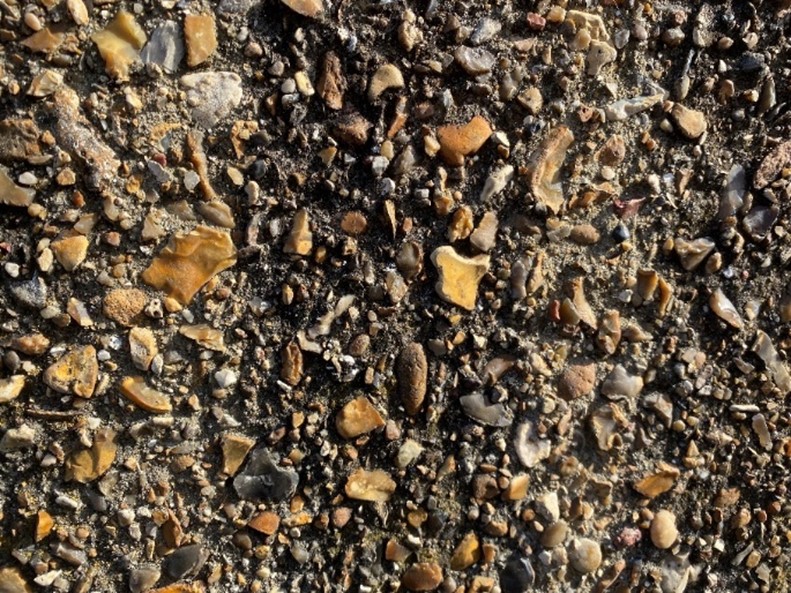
{"x": 44, "y": 525}
{"x": 309, "y": 8}
{"x": 358, "y": 417}
{"x": 196, "y": 587}
{"x": 200, "y": 34}
{"x": 396, "y": 552}
{"x": 659, "y": 481}
{"x": 120, "y": 44}
{"x": 88, "y": 464}
{"x": 456, "y": 142}
{"x": 189, "y": 261}
{"x": 145, "y": 397}
{"x": 12, "y": 581}
{"x": 354, "y": 223}
{"x": 205, "y": 335}
{"x": 75, "y": 372}
{"x": 291, "y": 364}
{"x": 123, "y": 305}
{"x": 467, "y": 553}
{"x": 11, "y": 194}
{"x": 423, "y": 576}
{"x": 70, "y": 251}
{"x": 459, "y": 276}
{"x": 234, "y": 450}
{"x": 266, "y": 522}
{"x": 300, "y": 239}
{"x": 44, "y": 41}
{"x": 517, "y": 487}
{"x": 373, "y": 486}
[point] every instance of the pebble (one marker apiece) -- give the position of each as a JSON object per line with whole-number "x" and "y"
{"x": 11, "y": 387}
{"x": 599, "y": 55}
{"x": 165, "y": 47}
{"x": 145, "y": 397}
{"x": 620, "y": 383}
{"x": 308, "y": 8}
{"x": 386, "y": 77}
{"x": 459, "y": 276}
{"x": 423, "y": 576}
{"x": 124, "y": 305}
{"x": 75, "y": 372}
{"x": 408, "y": 452}
{"x": 477, "y": 406}
{"x": 18, "y": 438}
{"x": 778, "y": 159}
{"x": 358, "y": 417}
{"x": 663, "y": 529}
{"x": 263, "y": 480}
{"x": 585, "y": 555}
{"x": 691, "y": 123}
{"x": 554, "y": 534}
{"x": 189, "y": 261}
{"x": 692, "y": 253}
{"x": 119, "y": 45}
{"x": 411, "y": 370}
{"x": 143, "y": 347}
{"x": 474, "y": 60}
{"x": 456, "y": 142}
{"x": 484, "y": 236}
{"x": 186, "y": 561}
{"x": 143, "y": 578}
{"x": 517, "y": 576}
{"x": 544, "y": 168}
{"x": 373, "y": 486}
{"x": 467, "y": 553}
{"x": 234, "y": 451}
{"x": 212, "y": 95}
{"x": 70, "y": 251}
{"x": 200, "y": 35}
{"x": 578, "y": 380}
{"x": 86, "y": 465}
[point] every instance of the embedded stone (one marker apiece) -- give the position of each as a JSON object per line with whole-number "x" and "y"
{"x": 423, "y": 576}
{"x": 200, "y": 34}
{"x": 120, "y": 44}
{"x": 456, "y": 142}
{"x": 308, "y": 8}
{"x": 386, "y": 77}
{"x": 145, "y": 397}
{"x": 358, "y": 417}
{"x": 75, "y": 372}
{"x": 467, "y": 553}
{"x": 189, "y": 261}
{"x": 234, "y": 451}
{"x": 372, "y": 486}
{"x": 11, "y": 387}
{"x": 124, "y": 305}
{"x": 70, "y": 251}
{"x": 87, "y": 465}
{"x": 459, "y": 276}
{"x": 544, "y": 168}
{"x": 11, "y": 194}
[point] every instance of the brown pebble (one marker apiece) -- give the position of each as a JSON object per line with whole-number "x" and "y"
{"x": 577, "y": 380}
{"x": 423, "y": 576}
{"x": 123, "y": 305}
{"x": 412, "y": 375}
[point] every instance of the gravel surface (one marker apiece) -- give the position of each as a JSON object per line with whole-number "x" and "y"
{"x": 395, "y": 296}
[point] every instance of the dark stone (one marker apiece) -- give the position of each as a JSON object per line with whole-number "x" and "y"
{"x": 186, "y": 561}
{"x": 517, "y": 576}
{"x": 621, "y": 233}
{"x": 262, "y": 479}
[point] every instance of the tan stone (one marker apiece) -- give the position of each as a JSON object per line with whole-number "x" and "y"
{"x": 373, "y": 486}
{"x": 300, "y": 239}
{"x": 196, "y": 587}
{"x": 200, "y": 35}
{"x": 12, "y": 581}
{"x": 396, "y": 552}
{"x": 79, "y": 312}
{"x": 663, "y": 529}
{"x": 218, "y": 213}
{"x": 544, "y": 168}
{"x": 266, "y": 522}
{"x": 459, "y": 276}
{"x": 70, "y": 251}
{"x": 88, "y": 464}
{"x": 19, "y": 140}
{"x": 659, "y": 481}
{"x": 585, "y": 555}
{"x": 234, "y": 450}
{"x": 358, "y": 417}
{"x": 423, "y": 576}
{"x": 205, "y": 335}
{"x": 485, "y": 236}
{"x": 352, "y": 128}
{"x": 354, "y": 223}
{"x": 461, "y": 224}
{"x": 690, "y": 122}
{"x": 456, "y": 142}
{"x": 189, "y": 261}
{"x": 142, "y": 347}
{"x": 11, "y": 194}
{"x": 44, "y": 41}
{"x": 123, "y": 305}
{"x": 467, "y": 553}
{"x": 554, "y": 534}
{"x": 291, "y": 362}
{"x": 578, "y": 380}
{"x": 11, "y": 387}
{"x": 31, "y": 344}
{"x": 145, "y": 397}
{"x": 78, "y": 11}
{"x": 120, "y": 44}
{"x": 44, "y": 525}
{"x": 386, "y": 77}
{"x": 309, "y": 8}
{"x": 517, "y": 487}
{"x": 75, "y": 372}
{"x": 331, "y": 84}
{"x": 45, "y": 83}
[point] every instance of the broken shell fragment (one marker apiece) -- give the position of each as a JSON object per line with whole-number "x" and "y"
{"x": 544, "y": 168}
